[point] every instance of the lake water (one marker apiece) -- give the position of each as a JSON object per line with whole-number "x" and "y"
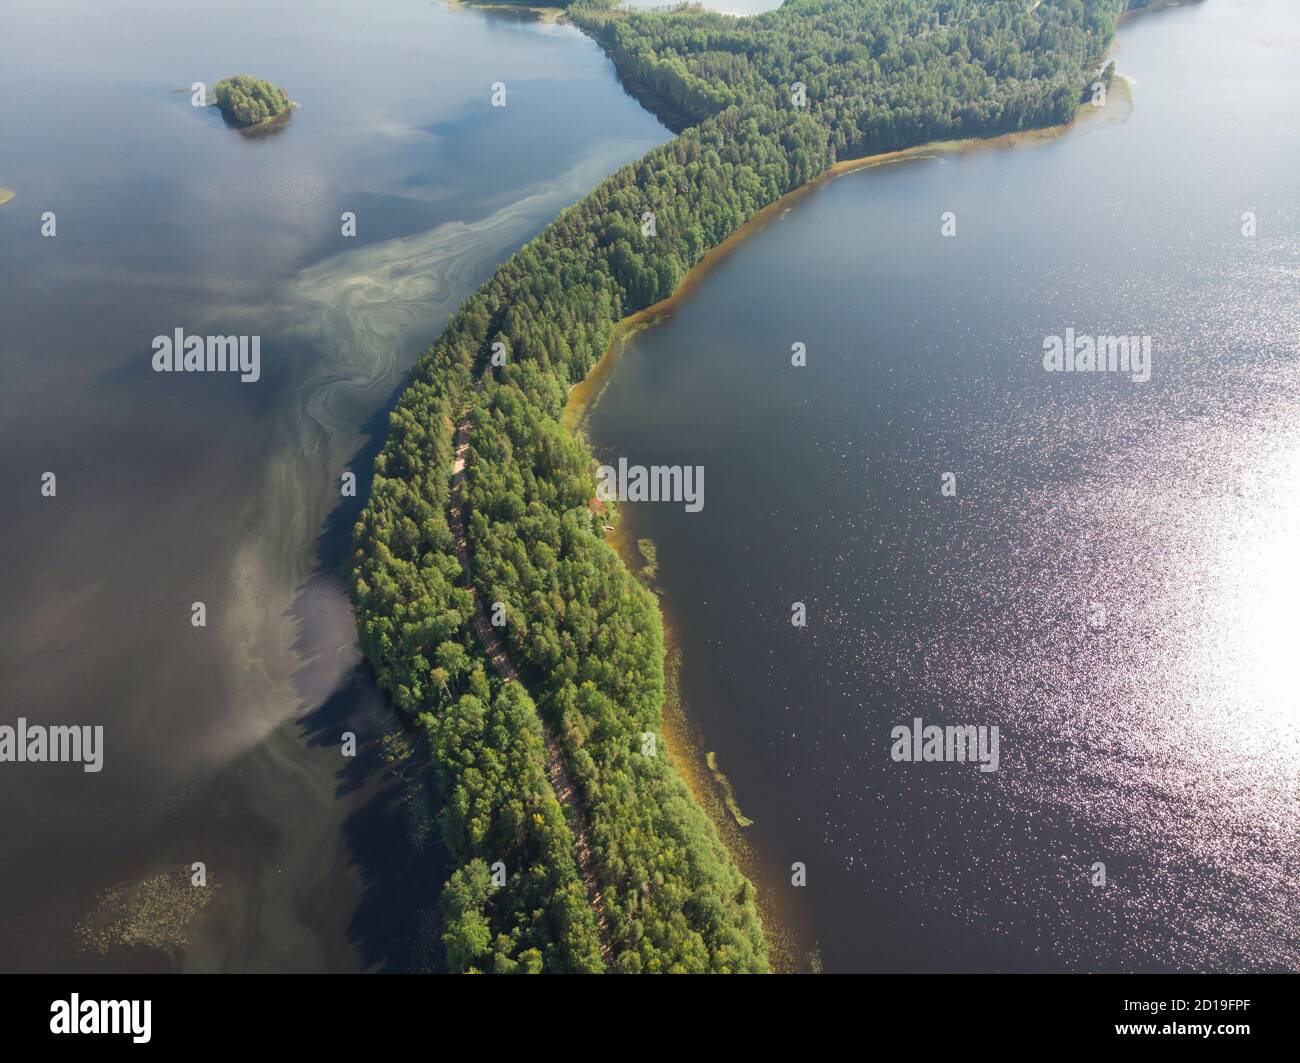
{"x": 222, "y": 743}
{"x": 1115, "y": 583}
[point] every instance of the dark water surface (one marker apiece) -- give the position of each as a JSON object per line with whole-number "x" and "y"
{"x": 1115, "y": 585}
{"x": 222, "y": 743}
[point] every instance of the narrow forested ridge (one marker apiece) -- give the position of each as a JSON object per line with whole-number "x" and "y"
{"x": 878, "y": 75}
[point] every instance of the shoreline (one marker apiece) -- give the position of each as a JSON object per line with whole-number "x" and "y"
{"x": 686, "y": 744}
{"x": 547, "y": 13}
{"x": 686, "y": 751}
{"x": 585, "y": 395}
{"x": 1154, "y": 5}
{"x": 271, "y": 124}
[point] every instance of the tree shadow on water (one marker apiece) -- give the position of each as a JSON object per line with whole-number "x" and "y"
{"x": 392, "y": 833}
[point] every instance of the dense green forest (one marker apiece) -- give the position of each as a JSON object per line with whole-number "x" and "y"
{"x": 587, "y": 637}
{"x": 245, "y": 100}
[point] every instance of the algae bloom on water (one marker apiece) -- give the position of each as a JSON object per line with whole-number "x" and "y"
{"x": 247, "y": 101}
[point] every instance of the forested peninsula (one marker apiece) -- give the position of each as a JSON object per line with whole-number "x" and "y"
{"x": 763, "y": 105}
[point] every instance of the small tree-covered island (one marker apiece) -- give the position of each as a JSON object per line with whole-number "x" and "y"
{"x": 246, "y": 101}
{"x": 481, "y": 498}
